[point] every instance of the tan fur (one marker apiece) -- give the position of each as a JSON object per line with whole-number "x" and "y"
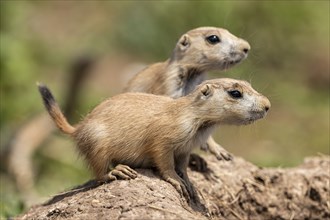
{"x": 62, "y": 123}
{"x": 144, "y": 130}
{"x": 193, "y": 55}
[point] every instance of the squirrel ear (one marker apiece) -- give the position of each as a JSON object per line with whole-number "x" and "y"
{"x": 206, "y": 90}
{"x": 184, "y": 42}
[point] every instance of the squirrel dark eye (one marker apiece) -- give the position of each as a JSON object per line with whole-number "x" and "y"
{"x": 213, "y": 39}
{"x": 235, "y": 94}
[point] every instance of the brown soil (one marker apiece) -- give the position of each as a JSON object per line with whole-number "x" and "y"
{"x": 230, "y": 190}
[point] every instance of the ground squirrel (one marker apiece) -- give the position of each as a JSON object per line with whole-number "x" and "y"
{"x": 199, "y": 50}
{"x": 139, "y": 130}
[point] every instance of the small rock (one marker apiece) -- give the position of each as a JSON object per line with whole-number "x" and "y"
{"x": 95, "y": 203}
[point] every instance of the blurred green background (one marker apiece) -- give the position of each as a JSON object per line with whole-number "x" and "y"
{"x": 288, "y": 62}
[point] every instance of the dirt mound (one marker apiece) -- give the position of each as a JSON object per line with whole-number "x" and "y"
{"x": 230, "y": 189}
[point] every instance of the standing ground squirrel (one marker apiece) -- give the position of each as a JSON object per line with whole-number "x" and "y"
{"x": 197, "y": 51}
{"x": 139, "y": 130}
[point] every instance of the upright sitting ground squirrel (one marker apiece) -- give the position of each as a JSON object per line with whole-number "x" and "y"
{"x": 139, "y": 130}
{"x": 197, "y": 51}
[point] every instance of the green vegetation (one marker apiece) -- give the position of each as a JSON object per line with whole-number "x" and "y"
{"x": 289, "y": 63}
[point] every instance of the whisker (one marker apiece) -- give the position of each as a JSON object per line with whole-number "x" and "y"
{"x": 250, "y": 77}
{"x": 265, "y": 86}
{"x": 242, "y": 31}
{"x": 252, "y": 34}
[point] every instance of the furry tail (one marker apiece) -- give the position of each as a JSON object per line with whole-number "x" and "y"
{"x": 54, "y": 110}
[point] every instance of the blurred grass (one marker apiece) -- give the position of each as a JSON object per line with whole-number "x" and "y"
{"x": 289, "y": 63}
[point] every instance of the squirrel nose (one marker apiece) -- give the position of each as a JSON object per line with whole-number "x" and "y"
{"x": 245, "y": 46}
{"x": 266, "y": 108}
{"x": 266, "y": 104}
